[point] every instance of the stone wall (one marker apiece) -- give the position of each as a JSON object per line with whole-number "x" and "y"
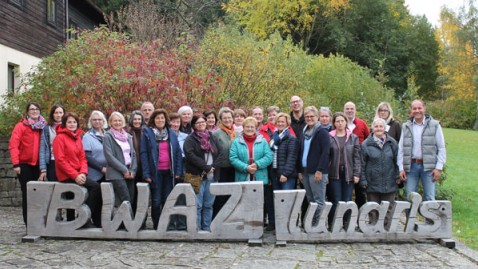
{"x": 10, "y": 194}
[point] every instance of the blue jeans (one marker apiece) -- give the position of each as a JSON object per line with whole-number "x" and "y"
{"x": 159, "y": 193}
{"x": 315, "y": 192}
{"x": 340, "y": 190}
{"x": 417, "y": 171}
{"x": 205, "y": 200}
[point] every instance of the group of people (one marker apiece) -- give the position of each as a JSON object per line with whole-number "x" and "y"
{"x": 328, "y": 155}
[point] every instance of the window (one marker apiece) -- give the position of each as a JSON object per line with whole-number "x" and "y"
{"x": 19, "y": 3}
{"x": 13, "y": 78}
{"x": 51, "y": 11}
{"x": 72, "y": 30}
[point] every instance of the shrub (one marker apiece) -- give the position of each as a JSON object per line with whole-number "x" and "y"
{"x": 458, "y": 114}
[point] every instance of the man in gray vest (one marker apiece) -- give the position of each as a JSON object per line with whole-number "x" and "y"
{"x": 421, "y": 151}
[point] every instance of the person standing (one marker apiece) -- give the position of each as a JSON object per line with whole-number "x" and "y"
{"x": 258, "y": 114}
{"x": 314, "y": 160}
{"x": 185, "y": 113}
{"x": 421, "y": 151}
{"x": 47, "y": 159}
{"x": 93, "y": 146}
{"x": 380, "y": 176}
{"x": 359, "y": 128}
{"x": 392, "y": 127}
{"x": 24, "y": 149}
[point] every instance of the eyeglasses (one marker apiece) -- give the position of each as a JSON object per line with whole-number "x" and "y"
{"x": 96, "y": 119}
{"x": 34, "y": 109}
{"x": 383, "y": 110}
{"x": 200, "y": 122}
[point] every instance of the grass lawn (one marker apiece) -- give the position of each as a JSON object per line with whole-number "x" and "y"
{"x": 462, "y": 179}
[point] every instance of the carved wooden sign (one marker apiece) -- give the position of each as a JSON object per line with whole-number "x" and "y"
{"x": 241, "y": 218}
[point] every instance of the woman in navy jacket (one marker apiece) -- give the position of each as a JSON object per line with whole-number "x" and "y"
{"x": 160, "y": 160}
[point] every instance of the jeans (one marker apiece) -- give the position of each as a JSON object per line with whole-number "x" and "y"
{"x": 50, "y": 171}
{"x": 378, "y": 198}
{"x": 124, "y": 189}
{"x": 205, "y": 200}
{"x": 288, "y": 185}
{"x": 315, "y": 192}
{"x": 159, "y": 193}
{"x": 340, "y": 190}
{"x": 417, "y": 171}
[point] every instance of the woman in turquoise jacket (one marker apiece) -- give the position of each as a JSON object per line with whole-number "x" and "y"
{"x": 250, "y": 154}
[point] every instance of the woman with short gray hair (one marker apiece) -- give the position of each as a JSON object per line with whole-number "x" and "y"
{"x": 93, "y": 146}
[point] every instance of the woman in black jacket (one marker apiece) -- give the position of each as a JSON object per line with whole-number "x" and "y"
{"x": 380, "y": 175}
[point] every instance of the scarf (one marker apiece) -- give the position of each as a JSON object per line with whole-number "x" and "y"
{"x": 229, "y": 131}
{"x": 120, "y": 135}
{"x": 309, "y": 132}
{"x": 35, "y": 124}
{"x": 160, "y": 135}
{"x": 204, "y": 139}
{"x": 250, "y": 139}
{"x": 277, "y": 138}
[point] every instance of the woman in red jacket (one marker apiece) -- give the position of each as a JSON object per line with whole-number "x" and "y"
{"x": 25, "y": 149}
{"x": 71, "y": 165}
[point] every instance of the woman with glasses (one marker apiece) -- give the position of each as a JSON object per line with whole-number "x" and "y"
{"x": 25, "y": 149}
{"x": 393, "y": 127}
{"x": 93, "y": 146}
{"x": 204, "y": 157}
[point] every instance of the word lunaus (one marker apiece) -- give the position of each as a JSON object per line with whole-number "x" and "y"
{"x": 241, "y": 218}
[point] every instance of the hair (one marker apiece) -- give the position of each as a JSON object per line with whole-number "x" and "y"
{"x": 258, "y": 107}
{"x": 272, "y": 109}
{"x": 209, "y": 112}
{"x": 32, "y": 103}
{"x": 336, "y": 115}
{"x": 183, "y": 109}
{"x": 51, "y": 119}
{"x": 249, "y": 120}
{"x": 377, "y": 120}
{"x": 311, "y": 109}
{"x": 146, "y": 103}
{"x": 225, "y": 110}
{"x": 419, "y": 100}
{"x": 240, "y": 112}
{"x": 390, "y": 111}
{"x": 155, "y": 114}
{"x": 195, "y": 118}
{"x": 285, "y": 115}
{"x": 325, "y": 109}
{"x": 174, "y": 116}
{"x": 131, "y": 117}
{"x": 105, "y": 123}
{"x": 66, "y": 116}
{"x": 119, "y": 115}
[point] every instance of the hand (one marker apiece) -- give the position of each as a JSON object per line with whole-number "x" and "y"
{"x": 251, "y": 169}
{"x": 17, "y": 170}
{"x": 80, "y": 179}
{"x": 299, "y": 175}
{"x": 403, "y": 176}
{"x": 103, "y": 170}
{"x": 398, "y": 181}
{"x": 356, "y": 179}
{"x": 317, "y": 176}
{"x": 148, "y": 180}
{"x": 42, "y": 176}
{"x": 212, "y": 170}
{"x": 436, "y": 175}
{"x": 282, "y": 179}
{"x": 254, "y": 165}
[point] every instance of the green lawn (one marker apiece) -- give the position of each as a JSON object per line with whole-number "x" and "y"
{"x": 462, "y": 179}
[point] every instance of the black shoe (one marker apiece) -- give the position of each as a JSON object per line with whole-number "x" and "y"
{"x": 89, "y": 225}
{"x": 270, "y": 227}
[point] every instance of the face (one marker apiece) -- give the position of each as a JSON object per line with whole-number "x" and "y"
{"x": 281, "y": 124}
{"x": 310, "y": 118}
{"x": 257, "y": 114}
{"x": 71, "y": 124}
{"x": 340, "y": 123}
{"x": 58, "y": 114}
{"x": 324, "y": 117}
{"x": 137, "y": 120}
{"x": 226, "y": 119}
{"x": 186, "y": 117}
{"x": 349, "y": 110}
{"x": 238, "y": 119}
{"x": 378, "y": 129}
{"x": 160, "y": 121}
{"x": 116, "y": 123}
{"x": 174, "y": 124}
{"x": 147, "y": 110}
{"x": 97, "y": 121}
{"x": 418, "y": 111}
{"x": 383, "y": 112}
{"x": 33, "y": 112}
{"x": 200, "y": 125}
{"x": 250, "y": 128}
{"x": 211, "y": 120}
{"x": 296, "y": 103}
{"x": 271, "y": 116}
